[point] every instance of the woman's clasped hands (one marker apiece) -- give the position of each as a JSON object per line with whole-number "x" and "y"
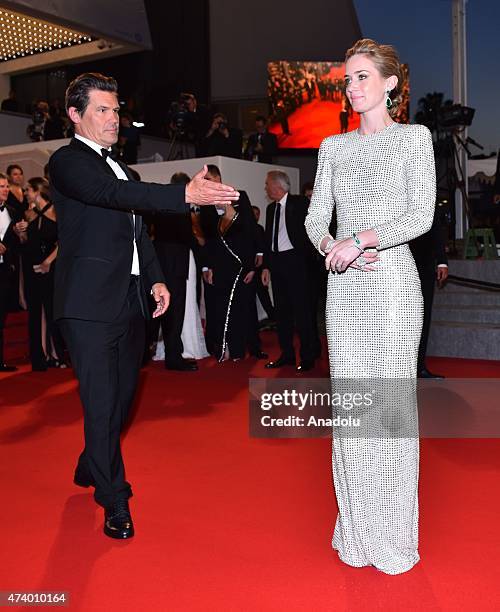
{"x": 345, "y": 254}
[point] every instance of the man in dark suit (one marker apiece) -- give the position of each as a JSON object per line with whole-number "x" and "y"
{"x": 287, "y": 260}
{"x": 221, "y": 139}
{"x": 263, "y": 145}
{"x": 106, "y": 267}
{"x": 9, "y": 243}
{"x": 261, "y": 290}
{"x": 173, "y": 239}
{"x": 432, "y": 264}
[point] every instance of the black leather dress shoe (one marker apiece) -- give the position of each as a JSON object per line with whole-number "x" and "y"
{"x": 182, "y": 366}
{"x": 305, "y": 366}
{"x": 280, "y": 362}
{"x": 259, "y": 355}
{"x": 117, "y": 521}
{"x": 424, "y": 373}
{"x": 7, "y": 368}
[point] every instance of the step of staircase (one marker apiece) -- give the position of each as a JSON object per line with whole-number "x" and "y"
{"x": 483, "y": 313}
{"x": 466, "y": 340}
{"x": 466, "y": 321}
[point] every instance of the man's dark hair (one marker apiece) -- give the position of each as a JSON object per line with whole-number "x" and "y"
{"x": 213, "y": 170}
{"x": 261, "y": 118}
{"x": 13, "y": 167}
{"x": 179, "y": 178}
{"x": 78, "y": 91}
{"x": 306, "y": 187}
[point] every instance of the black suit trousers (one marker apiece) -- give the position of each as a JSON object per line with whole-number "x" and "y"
{"x": 427, "y": 273}
{"x": 106, "y": 358}
{"x": 292, "y": 303}
{"x": 5, "y": 276}
{"x": 173, "y": 320}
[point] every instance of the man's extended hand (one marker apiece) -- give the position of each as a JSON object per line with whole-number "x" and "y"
{"x": 200, "y": 191}
{"x": 265, "y": 277}
{"x": 161, "y": 296}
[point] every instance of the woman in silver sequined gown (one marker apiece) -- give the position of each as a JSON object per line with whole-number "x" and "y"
{"x": 381, "y": 181}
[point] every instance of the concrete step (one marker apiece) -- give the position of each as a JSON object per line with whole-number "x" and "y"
{"x": 466, "y": 340}
{"x": 466, "y": 297}
{"x": 466, "y": 313}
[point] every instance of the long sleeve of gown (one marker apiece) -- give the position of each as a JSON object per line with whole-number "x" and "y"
{"x": 419, "y": 168}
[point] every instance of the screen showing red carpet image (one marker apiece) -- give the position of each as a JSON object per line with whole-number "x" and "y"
{"x": 308, "y": 104}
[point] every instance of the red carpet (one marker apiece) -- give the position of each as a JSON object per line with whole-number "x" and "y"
{"x": 312, "y": 122}
{"x": 225, "y": 522}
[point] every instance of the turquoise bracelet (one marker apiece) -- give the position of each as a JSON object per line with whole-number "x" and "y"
{"x": 357, "y": 243}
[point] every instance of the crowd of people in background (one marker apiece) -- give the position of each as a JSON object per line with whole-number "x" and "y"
{"x": 216, "y": 261}
{"x": 293, "y": 84}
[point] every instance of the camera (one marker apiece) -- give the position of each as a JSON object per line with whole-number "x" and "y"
{"x": 177, "y": 114}
{"x": 223, "y": 125}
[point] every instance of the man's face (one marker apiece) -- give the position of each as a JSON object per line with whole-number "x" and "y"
{"x": 100, "y": 121}
{"x": 4, "y": 190}
{"x": 213, "y": 177}
{"x": 274, "y": 190}
{"x": 260, "y": 127}
{"x": 17, "y": 177}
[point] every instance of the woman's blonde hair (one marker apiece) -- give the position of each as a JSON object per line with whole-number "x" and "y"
{"x": 386, "y": 59}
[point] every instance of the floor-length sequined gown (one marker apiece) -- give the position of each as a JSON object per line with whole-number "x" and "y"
{"x": 386, "y": 182}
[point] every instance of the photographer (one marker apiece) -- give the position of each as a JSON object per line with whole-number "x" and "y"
{"x": 222, "y": 139}
{"x": 36, "y": 130}
{"x": 188, "y": 121}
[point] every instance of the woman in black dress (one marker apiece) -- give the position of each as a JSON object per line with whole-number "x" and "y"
{"x": 17, "y": 199}
{"x": 39, "y": 254}
{"x": 230, "y": 255}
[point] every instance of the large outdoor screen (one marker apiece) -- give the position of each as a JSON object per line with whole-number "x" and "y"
{"x": 308, "y": 103}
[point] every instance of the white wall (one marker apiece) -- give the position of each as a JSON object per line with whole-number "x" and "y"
{"x": 245, "y": 175}
{"x": 13, "y": 127}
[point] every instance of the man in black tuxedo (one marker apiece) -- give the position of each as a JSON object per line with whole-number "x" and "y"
{"x": 9, "y": 243}
{"x": 173, "y": 239}
{"x": 287, "y": 260}
{"x": 106, "y": 267}
{"x": 432, "y": 264}
{"x": 263, "y": 145}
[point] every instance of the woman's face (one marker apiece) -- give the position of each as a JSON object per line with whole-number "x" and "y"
{"x": 31, "y": 194}
{"x": 364, "y": 85}
{"x": 17, "y": 177}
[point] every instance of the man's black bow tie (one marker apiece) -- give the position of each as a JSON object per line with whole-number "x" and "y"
{"x": 2, "y": 207}
{"x": 106, "y": 153}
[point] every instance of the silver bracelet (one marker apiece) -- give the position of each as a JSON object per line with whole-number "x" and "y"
{"x": 329, "y": 246}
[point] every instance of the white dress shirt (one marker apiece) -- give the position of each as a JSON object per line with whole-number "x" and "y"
{"x": 284, "y": 243}
{"x": 119, "y": 173}
{"x": 4, "y": 224}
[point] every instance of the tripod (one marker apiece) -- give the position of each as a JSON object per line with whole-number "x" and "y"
{"x": 179, "y": 148}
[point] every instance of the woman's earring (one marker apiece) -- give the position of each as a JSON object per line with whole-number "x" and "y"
{"x": 388, "y": 101}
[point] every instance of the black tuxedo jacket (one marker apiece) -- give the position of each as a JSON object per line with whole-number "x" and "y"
{"x": 429, "y": 249}
{"x": 96, "y": 232}
{"x": 295, "y": 216}
{"x": 173, "y": 237}
{"x": 10, "y": 239}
